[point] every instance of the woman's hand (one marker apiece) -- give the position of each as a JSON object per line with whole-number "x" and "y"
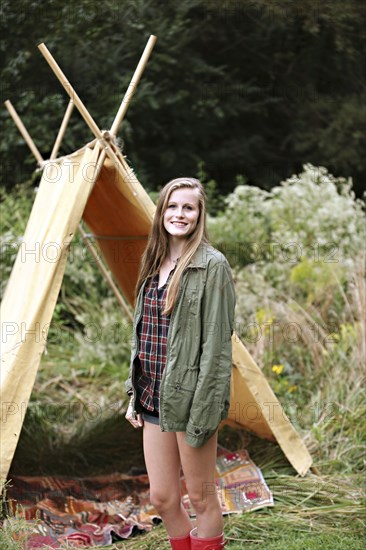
{"x": 136, "y": 421}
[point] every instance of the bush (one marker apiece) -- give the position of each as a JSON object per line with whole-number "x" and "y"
{"x": 312, "y": 215}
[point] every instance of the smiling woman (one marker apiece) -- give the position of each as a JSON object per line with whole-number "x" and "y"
{"x": 182, "y": 213}
{"x": 180, "y": 366}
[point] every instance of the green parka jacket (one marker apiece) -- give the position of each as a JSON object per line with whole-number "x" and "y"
{"x": 195, "y": 385}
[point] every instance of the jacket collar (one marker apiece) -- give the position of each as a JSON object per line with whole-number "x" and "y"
{"x": 199, "y": 258}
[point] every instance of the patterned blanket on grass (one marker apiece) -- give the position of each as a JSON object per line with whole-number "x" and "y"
{"x": 99, "y": 510}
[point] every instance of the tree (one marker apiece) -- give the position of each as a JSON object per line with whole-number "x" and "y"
{"x": 252, "y": 88}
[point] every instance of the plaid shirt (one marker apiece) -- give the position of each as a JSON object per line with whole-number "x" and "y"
{"x": 152, "y": 333}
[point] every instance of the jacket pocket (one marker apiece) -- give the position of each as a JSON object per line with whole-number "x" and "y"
{"x": 177, "y": 402}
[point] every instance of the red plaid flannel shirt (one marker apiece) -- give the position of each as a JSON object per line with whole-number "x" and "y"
{"x": 152, "y": 334}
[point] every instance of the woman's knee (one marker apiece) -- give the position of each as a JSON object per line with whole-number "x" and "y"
{"x": 164, "y": 501}
{"x": 205, "y": 499}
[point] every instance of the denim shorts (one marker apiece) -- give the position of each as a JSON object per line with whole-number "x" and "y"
{"x": 150, "y": 418}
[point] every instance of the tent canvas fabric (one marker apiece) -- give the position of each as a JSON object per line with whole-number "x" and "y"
{"x": 31, "y": 293}
{"x": 119, "y": 212}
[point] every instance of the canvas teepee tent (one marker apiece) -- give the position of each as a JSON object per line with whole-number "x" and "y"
{"x": 97, "y": 185}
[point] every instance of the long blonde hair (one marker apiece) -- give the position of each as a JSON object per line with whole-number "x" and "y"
{"x": 157, "y": 245}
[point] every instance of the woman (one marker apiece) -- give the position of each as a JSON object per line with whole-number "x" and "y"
{"x": 180, "y": 370}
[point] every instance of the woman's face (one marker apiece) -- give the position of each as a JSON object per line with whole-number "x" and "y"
{"x": 182, "y": 212}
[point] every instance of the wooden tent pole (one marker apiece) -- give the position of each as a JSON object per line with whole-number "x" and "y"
{"x": 107, "y": 276}
{"x": 133, "y": 84}
{"x": 62, "y": 129}
{"x": 24, "y": 132}
{"x": 70, "y": 91}
{"x": 89, "y": 244}
{"x": 78, "y": 104}
{"x": 101, "y": 136}
{"x": 107, "y": 146}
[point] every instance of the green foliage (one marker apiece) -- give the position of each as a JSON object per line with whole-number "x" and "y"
{"x": 215, "y": 201}
{"x": 15, "y": 208}
{"x": 242, "y": 225}
{"x": 15, "y": 529}
{"x": 313, "y": 216}
{"x": 256, "y": 88}
{"x": 298, "y": 260}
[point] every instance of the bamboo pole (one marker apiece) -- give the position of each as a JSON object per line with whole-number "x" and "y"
{"x": 107, "y": 276}
{"x": 133, "y": 84}
{"x": 89, "y": 244}
{"x": 62, "y": 129}
{"x": 101, "y": 136}
{"x": 78, "y": 103}
{"x": 70, "y": 91}
{"x": 24, "y": 132}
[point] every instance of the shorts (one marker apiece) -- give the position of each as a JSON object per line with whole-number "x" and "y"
{"x": 146, "y": 417}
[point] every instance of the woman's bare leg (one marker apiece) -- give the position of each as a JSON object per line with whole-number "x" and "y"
{"x": 163, "y": 468}
{"x": 199, "y": 471}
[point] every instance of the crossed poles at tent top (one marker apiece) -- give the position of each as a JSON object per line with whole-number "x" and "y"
{"x": 102, "y": 137}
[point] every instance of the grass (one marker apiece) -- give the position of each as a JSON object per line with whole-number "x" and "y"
{"x": 325, "y": 510}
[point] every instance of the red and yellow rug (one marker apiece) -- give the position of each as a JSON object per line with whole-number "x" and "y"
{"x": 99, "y": 510}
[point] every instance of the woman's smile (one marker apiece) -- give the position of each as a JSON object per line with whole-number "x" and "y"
{"x": 182, "y": 212}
